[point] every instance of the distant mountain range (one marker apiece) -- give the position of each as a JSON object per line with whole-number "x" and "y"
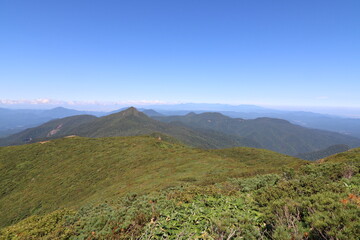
{"x": 12, "y": 121}
{"x": 16, "y": 120}
{"x": 348, "y": 126}
{"x": 49, "y": 130}
{"x": 206, "y": 130}
{"x": 95, "y": 186}
{"x": 344, "y": 125}
{"x": 129, "y": 122}
{"x": 273, "y": 134}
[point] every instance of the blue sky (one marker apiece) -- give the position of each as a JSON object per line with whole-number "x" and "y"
{"x": 284, "y": 53}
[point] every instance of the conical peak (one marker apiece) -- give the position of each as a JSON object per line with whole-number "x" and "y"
{"x": 131, "y": 111}
{"x": 191, "y": 114}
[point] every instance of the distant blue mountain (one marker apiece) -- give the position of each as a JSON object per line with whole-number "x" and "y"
{"x": 15, "y": 120}
{"x": 206, "y": 107}
{"x": 348, "y": 126}
{"x": 344, "y": 125}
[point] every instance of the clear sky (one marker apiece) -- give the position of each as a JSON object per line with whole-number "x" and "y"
{"x": 279, "y": 52}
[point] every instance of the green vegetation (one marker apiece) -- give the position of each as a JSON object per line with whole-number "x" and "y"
{"x": 129, "y": 122}
{"x": 206, "y": 130}
{"x": 312, "y": 156}
{"x": 70, "y": 172}
{"x": 269, "y": 133}
{"x": 353, "y": 155}
{"x": 152, "y": 187}
{"x": 16, "y": 120}
{"x": 46, "y": 131}
{"x": 318, "y": 201}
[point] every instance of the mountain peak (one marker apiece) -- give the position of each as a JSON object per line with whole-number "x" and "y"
{"x": 191, "y": 114}
{"x": 131, "y": 111}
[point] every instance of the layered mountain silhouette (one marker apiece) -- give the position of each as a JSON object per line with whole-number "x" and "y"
{"x": 206, "y": 130}
{"x": 273, "y": 134}
{"x": 129, "y": 122}
{"x": 16, "y": 120}
{"x": 49, "y": 130}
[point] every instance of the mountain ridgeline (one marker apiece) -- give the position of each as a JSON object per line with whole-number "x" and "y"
{"x": 129, "y": 122}
{"x": 270, "y": 133}
{"x": 206, "y": 130}
{"x": 16, "y": 120}
{"x": 49, "y": 130}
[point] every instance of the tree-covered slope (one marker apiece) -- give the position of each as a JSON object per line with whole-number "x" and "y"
{"x": 52, "y": 129}
{"x": 41, "y": 177}
{"x": 16, "y": 120}
{"x": 273, "y": 134}
{"x": 312, "y": 156}
{"x": 129, "y": 122}
{"x": 132, "y": 122}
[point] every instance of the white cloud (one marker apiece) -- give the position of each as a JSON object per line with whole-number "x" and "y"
{"x": 32, "y": 101}
{"x": 45, "y": 101}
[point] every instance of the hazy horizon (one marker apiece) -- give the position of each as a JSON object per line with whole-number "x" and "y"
{"x": 100, "y": 106}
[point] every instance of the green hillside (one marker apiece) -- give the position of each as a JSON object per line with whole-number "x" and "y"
{"x": 41, "y": 177}
{"x": 273, "y": 134}
{"x": 195, "y": 199}
{"x": 312, "y": 156}
{"x": 353, "y": 155}
{"x": 16, "y": 120}
{"x": 207, "y": 130}
{"x": 129, "y": 122}
{"x": 154, "y": 187}
{"x": 46, "y": 131}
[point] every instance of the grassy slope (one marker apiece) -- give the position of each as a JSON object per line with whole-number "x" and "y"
{"x": 353, "y": 155}
{"x": 69, "y": 172}
{"x": 316, "y": 202}
{"x": 258, "y": 158}
{"x": 313, "y": 156}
